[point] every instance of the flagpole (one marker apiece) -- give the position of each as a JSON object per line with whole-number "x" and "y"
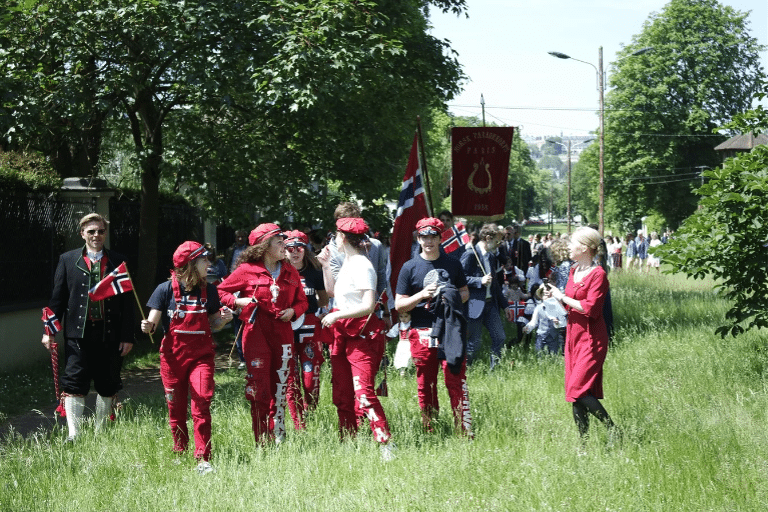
{"x": 138, "y": 302}
{"x": 488, "y": 287}
{"x": 430, "y": 209}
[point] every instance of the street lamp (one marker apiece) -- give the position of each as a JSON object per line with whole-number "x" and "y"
{"x": 601, "y": 89}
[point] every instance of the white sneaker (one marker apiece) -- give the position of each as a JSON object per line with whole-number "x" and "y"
{"x": 204, "y": 467}
{"x": 388, "y": 451}
{"x": 241, "y": 366}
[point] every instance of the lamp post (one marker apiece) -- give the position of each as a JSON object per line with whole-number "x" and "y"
{"x": 601, "y": 89}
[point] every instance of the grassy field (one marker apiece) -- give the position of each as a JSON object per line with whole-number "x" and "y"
{"x": 692, "y": 408}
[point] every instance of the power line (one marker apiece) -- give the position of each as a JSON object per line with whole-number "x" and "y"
{"x": 581, "y": 109}
{"x": 636, "y": 178}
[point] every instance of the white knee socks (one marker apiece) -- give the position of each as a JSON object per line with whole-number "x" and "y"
{"x": 103, "y": 409}
{"x": 74, "y": 406}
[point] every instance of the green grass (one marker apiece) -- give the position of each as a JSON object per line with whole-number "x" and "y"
{"x": 692, "y": 408}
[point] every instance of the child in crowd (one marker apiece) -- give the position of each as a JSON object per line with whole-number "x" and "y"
{"x": 547, "y": 319}
{"x": 187, "y": 349}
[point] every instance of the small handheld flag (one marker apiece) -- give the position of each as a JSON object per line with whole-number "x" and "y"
{"x": 51, "y": 324}
{"x": 118, "y": 281}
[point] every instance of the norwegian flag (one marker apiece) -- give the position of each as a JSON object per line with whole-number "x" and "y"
{"x": 461, "y": 231}
{"x": 411, "y": 208}
{"x": 450, "y": 240}
{"x": 518, "y": 309}
{"x": 118, "y": 281}
{"x": 51, "y": 324}
{"x": 454, "y": 238}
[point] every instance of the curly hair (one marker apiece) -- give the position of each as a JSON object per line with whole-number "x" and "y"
{"x": 559, "y": 250}
{"x": 254, "y": 253}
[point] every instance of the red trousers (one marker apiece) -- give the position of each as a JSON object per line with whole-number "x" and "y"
{"x": 304, "y": 382}
{"x": 181, "y": 375}
{"x": 354, "y": 362}
{"x": 427, "y": 367}
{"x": 268, "y": 352}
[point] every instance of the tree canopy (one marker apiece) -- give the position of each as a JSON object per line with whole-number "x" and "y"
{"x": 727, "y": 236}
{"x": 704, "y": 69}
{"x": 252, "y": 108}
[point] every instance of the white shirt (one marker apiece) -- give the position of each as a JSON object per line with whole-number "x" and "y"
{"x": 355, "y": 276}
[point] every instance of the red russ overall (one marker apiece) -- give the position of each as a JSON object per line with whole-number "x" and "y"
{"x": 269, "y": 304}
{"x": 358, "y": 346}
{"x": 186, "y": 363}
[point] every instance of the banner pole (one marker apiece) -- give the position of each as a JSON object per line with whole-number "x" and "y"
{"x": 430, "y": 208}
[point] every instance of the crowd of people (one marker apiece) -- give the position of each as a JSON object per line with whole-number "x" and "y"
{"x": 291, "y": 296}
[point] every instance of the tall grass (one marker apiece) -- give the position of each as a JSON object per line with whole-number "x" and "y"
{"x": 691, "y": 406}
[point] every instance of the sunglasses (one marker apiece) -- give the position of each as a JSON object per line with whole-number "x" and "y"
{"x": 294, "y": 248}
{"x": 94, "y": 231}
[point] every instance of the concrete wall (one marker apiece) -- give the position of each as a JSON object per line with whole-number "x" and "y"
{"x": 20, "y": 335}
{"x": 22, "y": 330}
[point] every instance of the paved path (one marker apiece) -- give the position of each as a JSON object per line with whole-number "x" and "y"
{"x": 135, "y": 384}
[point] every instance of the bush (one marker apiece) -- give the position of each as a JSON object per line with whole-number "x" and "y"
{"x": 27, "y": 171}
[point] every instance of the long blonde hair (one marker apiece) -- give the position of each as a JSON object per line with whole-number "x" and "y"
{"x": 189, "y": 277}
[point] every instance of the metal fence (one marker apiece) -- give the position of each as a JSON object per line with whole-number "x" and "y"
{"x": 37, "y": 228}
{"x": 177, "y": 224}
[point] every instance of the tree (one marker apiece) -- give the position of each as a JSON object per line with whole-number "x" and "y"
{"x": 585, "y": 185}
{"x": 253, "y": 96}
{"x": 703, "y": 70}
{"x": 726, "y": 237}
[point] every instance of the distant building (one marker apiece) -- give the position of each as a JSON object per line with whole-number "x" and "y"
{"x": 743, "y": 143}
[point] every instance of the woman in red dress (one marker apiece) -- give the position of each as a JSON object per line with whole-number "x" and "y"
{"x": 586, "y": 340}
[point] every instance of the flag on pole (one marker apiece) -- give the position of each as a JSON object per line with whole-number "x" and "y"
{"x": 411, "y": 208}
{"x": 518, "y": 309}
{"x": 454, "y": 238}
{"x": 118, "y": 281}
{"x": 51, "y": 324}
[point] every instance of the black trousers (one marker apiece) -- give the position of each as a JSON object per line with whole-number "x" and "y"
{"x": 91, "y": 358}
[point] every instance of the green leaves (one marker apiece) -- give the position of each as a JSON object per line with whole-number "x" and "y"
{"x": 726, "y": 238}
{"x": 665, "y": 104}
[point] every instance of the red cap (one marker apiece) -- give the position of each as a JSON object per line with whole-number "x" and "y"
{"x": 354, "y": 225}
{"x": 264, "y": 231}
{"x": 186, "y": 252}
{"x": 296, "y": 237}
{"x": 429, "y": 226}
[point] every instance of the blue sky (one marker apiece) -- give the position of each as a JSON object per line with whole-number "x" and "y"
{"x": 503, "y": 47}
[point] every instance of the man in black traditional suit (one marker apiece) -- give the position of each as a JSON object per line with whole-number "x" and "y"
{"x": 98, "y": 333}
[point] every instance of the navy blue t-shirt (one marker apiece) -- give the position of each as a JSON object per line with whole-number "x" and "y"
{"x": 411, "y": 281}
{"x": 312, "y": 281}
{"x": 162, "y": 299}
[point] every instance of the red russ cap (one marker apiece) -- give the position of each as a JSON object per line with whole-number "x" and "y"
{"x": 354, "y": 225}
{"x": 264, "y": 231}
{"x": 186, "y": 252}
{"x": 296, "y": 237}
{"x": 429, "y": 226}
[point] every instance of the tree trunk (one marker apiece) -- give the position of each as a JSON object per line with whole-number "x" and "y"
{"x": 152, "y": 135}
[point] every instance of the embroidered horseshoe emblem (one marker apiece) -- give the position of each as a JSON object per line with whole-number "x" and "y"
{"x": 471, "y": 180}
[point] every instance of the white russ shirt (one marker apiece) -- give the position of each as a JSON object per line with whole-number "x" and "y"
{"x": 356, "y": 275}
